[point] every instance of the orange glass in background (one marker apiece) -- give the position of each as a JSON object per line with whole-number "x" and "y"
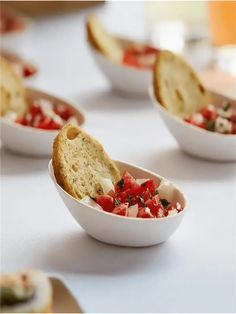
{"x": 222, "y": 22}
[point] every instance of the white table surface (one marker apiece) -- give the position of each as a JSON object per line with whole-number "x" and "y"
{"x": 192, "y": 272}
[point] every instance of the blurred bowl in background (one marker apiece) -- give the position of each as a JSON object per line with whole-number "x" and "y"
{"x": 31, "y": 141}
{"x": 123, "y": 78}
{"x": 196, "y": 141}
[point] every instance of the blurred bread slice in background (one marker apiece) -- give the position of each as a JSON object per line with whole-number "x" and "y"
{"x": 102, "y": 40}
{"x": 12, "y": 92}
{"x": 176, "y": 85}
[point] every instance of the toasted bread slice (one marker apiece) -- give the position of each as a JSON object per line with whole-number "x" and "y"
{"x": 176, "y": 85}
{"x": 80, "y": 163}
{"x": 12, "y": 92}
{"x": 101, "y": 40}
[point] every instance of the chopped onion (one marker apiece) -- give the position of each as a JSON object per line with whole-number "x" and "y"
{"x": 141, "y": 181}
{"x": 107, "y": 185}
{"x": 87, "y": 200}
{"x": 166, "y": 190}
{"x": 148, "y": 211}
{"x": 133, "y": 211}
{"x": 10, "y": 115}
{"x": 172, "y": 212}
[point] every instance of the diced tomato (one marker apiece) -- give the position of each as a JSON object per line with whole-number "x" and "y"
{"x": 122, "y": 197}
{"x": 130, "y": 59}
{"x": 145, "y": 212}
{"x": 53, "y": 125}
{"x": 22, "y": 121}
{"x": 151, "y": 185}
{"x": 64, "y": 114}
{"x": 209, "y": 112}
{"x": 136, "y": 190}
{"x": 234, "y": 128}
{"x": 106, "y": 202}
{"x": 146, "y": 195}
{"x": 35, "y": 109}
{"x": 28, "y": 70}
{"x": 44, "y": 123}
{"x": 233, "y": 117}
{"x": 154, "y": 205}
{"x": 150, "y": 50}
{"x": 126, "y": 182}
{"x": 121, "y": 209}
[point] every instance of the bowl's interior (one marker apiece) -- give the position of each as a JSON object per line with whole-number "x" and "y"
{"x": 137, "y": 172}
{"x": 217, "y": 99}
{"x": 33, "y": 94}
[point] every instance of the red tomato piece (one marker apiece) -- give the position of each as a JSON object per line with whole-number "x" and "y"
{"x": 209, "y": 113}
{"x": 234, "y": 128}
{"x": 122, "y": 196}
{"x": 233, "y": 117}
{"x": 146, "y": 195}
{"x": 35, "y": 109}
{"x": 45, "y": 122}
{"x": 106, "y": 202}
{"x": 121, "y": 209}
{"x": 130, "y": 58}
{"x": 149, "y": 50}
{"x": 145, "y": 212}
{"x": 22, "y": 121}
{"x": 28, "y": 70}
{"x": 127, "y": 181}
{"x": 66, "y": 114}
{"x": 151, "y": 185}
{"x": 155, "y": 205}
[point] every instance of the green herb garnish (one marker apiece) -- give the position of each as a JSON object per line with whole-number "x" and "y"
{"x": 129, "y": 198}
{"x": 140, "y": 199}
{"x": 210, "y": 125}
{"x": 226, "y": 106}
{"x": 121, "y": 184}
{"x": 143, "y": 184}
{"x": 156, "y": 192}
{"x": 117, "y": 202}
{"x": 164, "y": 202}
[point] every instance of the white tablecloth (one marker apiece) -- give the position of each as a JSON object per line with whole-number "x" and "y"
{"x": 192, "y": 272}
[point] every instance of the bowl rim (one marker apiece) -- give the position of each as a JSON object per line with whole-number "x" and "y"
{"x": 38, "y": 130}
{"x": 119, "y": 64}
{"x": 52, "y": 176}
{"x": 184, "y": 123}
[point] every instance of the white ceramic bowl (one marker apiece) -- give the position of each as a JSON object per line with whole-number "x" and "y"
{"x": 196, "y": 141}
{"x": 32, "y": 141}
{"x": 118, "y": 230}
{"x": 123, "y": 78}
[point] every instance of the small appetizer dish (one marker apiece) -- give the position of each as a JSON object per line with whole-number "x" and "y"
{"x": 202, "y": 122}
{"x": 114, "y": 202}
{"x": 13, "y": 27}
{"x": 22, "y": 67}
{"x": 30, "y": 119}
{"x": 28, "y": 291}
{"x": 127, "y": 64}
{"x": 32, "y": 291}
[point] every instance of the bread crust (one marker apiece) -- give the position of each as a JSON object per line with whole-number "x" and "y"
{"x": 176, "y": 86}
{"x": 102, "y": 40}
{"x": 80, "y": 162}
{"x": 12, "y": 92}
